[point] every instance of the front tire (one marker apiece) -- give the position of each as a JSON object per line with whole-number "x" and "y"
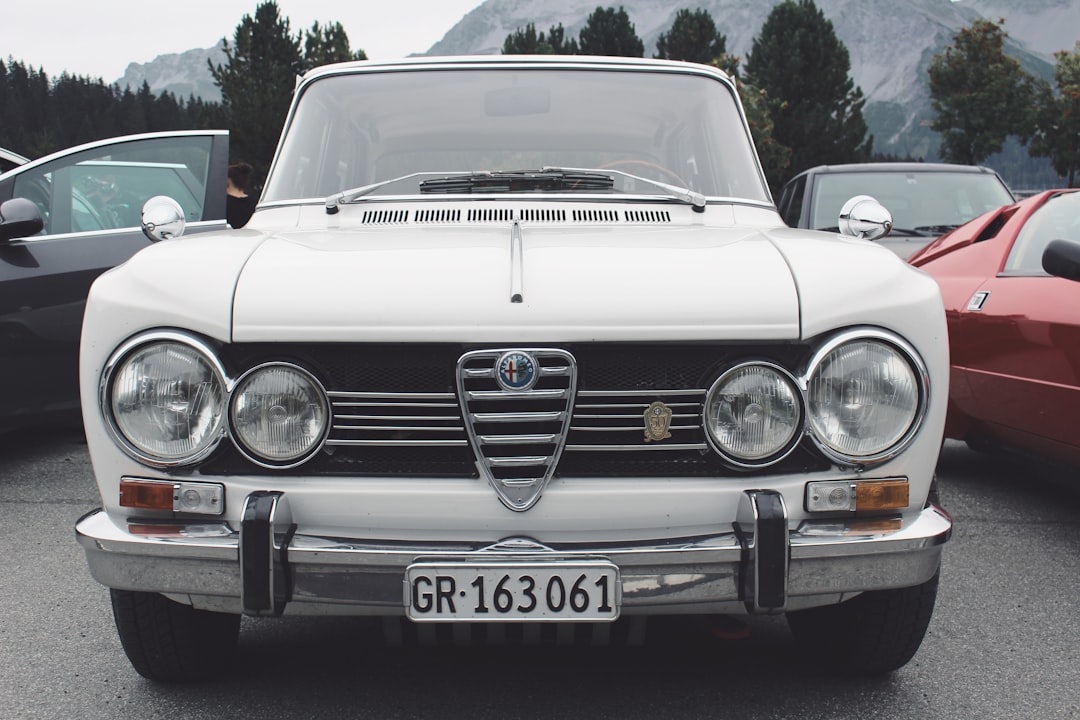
{"x": 169, "y": 641}
{"x": 873, "y": 633}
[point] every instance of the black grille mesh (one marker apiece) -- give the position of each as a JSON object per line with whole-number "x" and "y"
{"x": 653, "y": 372}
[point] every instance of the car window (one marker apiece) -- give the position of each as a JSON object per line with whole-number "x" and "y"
{"x": 104, "y": 188}
{"x": 792, "y": 202}
{"x": 931, "y": 201}
{"x": 1058, "y": 218}
{"x": 352, "y": 130}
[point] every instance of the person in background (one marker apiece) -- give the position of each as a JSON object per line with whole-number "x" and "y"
{"x": 239, "y": 206}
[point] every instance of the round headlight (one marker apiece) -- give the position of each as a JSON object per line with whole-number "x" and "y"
{"x": 863, "y": 398}
{"x": 279, "y": 414}
{"x": 166, "y": 400}
{"x": 753, "y": 413}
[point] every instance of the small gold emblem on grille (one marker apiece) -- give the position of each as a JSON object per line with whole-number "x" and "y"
{"x": 657, "y": 422}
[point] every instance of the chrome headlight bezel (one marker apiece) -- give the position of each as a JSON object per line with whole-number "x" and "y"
{"x": 288, "y": 461}
{"x": 921, "y": 378}
{"x": 782, "y": 449}
{"x": 117, "y": 363}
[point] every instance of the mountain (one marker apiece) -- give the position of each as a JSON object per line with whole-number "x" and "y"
{"x": 890, "y": 42}
{"x": 183, "y": 74}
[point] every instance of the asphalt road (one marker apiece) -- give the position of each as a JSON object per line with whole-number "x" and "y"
{"x": 1004, "y": 641}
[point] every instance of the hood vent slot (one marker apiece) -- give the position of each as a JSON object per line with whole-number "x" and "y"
{"x": 437, "y": 216}
{"x": 595, "y": 216}
{"x": 543, "y": 215}
{"x": 385, "y": 217}
{"x": 490, "y": 215}
{"x": 648, "y": 216}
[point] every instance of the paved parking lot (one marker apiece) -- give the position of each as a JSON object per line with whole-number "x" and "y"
{"x": 1004, "y": 641}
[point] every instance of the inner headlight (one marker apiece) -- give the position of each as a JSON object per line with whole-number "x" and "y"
{"x": 165, "y": 399}
{"x": 279, "y": 414}
{"x": 753, "y": 413}
{"x": 864, "y": 398}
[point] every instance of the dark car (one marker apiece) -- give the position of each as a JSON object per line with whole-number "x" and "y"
{"x": 926, "y": 199}
{"x": 1014, "y": 328}
{"x": 89, "y": 199}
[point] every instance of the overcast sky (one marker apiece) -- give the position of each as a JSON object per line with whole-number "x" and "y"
{"x": 98, "y": 38}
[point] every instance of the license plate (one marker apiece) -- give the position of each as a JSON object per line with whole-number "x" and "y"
{"x": 513, "y": 592}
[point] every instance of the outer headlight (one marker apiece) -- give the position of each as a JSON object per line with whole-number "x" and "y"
{"x": 865, "y": 396}
{"x": 753, "y": 414}
{"x": 279, "y": 415}
{"x": 164, "y": 398}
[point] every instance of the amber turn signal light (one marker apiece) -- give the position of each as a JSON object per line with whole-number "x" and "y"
{"x": 147, "y": 494}
{"x": 197, "y": 498}
{"x": 881, "y": 495}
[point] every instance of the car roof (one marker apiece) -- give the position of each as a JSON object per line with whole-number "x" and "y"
{"x": 904, "y": 167}
{"x": 513, "y": 61}
{"x": 9, "y": 159}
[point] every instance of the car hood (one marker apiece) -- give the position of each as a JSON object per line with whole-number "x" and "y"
{"x": 457, "y": 284}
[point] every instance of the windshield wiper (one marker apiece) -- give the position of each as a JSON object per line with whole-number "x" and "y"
{"x": 546, "y": 180}
{"x": 347, "y": 196}
{"x": 686, "y": 195}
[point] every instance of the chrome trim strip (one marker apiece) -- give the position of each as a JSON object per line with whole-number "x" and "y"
{"x": 519, "y": 461}
{"x": 517, "y": 439}
{"x": 515, "y": 417}
{"x": 516, "y": 394}
{"x": 403, "y": 395}
{"x": 517, "y": 270}
{"x": 639, "y": 448}
{"x": 396, "y": 443}
{"x": 639, "y": 393}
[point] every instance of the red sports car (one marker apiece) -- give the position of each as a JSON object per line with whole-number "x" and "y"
{"x": 1014, "y": 325}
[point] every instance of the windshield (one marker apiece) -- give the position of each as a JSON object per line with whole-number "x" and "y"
{"x": 932, "y": 201}
{"x": 356, "y": 129}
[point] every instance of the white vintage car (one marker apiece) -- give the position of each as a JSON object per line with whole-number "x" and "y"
{"x": 513, "y": 341}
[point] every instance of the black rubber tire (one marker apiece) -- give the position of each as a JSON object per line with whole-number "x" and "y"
{"x": 169, "y": 641}
{"x": 873, "y": 633}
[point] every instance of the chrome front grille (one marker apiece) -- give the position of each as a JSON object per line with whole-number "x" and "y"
{"x": 436, "y": 410}
{"x": 396, "y": 419}
{"x": 517, "y": 434}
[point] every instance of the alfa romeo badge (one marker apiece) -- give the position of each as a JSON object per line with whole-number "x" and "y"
{"x": 516, "y": 370}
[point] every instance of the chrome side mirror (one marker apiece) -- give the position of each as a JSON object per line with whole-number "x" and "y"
{"x": 864, "y": 217}
{"x": 162, "y": 218}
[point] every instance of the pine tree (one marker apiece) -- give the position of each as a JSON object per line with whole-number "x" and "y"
{"x": 803, "y": 70}
{"x": 693, "y": 37}
{"x": 256, "y": 83}
{"x": 609, "y": 32}
{"x": 980, "y": 95}
{"x": 526, "y": 41}
{"x": 325, "y": 44}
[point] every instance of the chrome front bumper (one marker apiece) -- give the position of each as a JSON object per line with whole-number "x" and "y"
{"x": 267, "y": 567}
